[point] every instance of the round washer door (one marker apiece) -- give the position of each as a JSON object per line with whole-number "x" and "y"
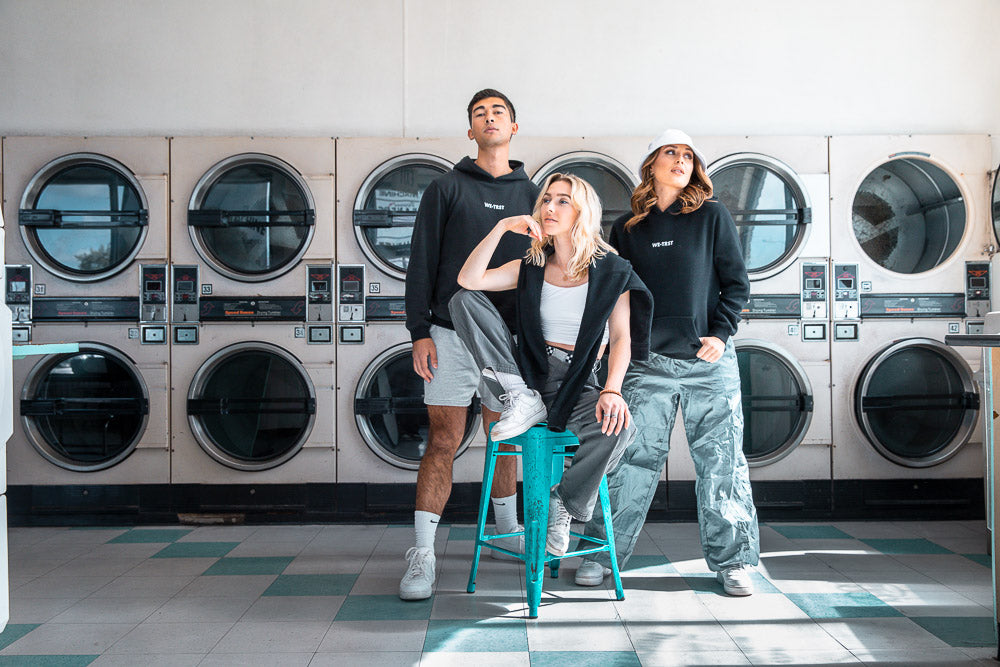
{"x": 909, "y": 215}
{"x": 770, "y": 207}
{"x": 777, "y": 401}
{"x": 84, "y": 217}
{"x": 385, "y": 208}
{"x": 251, "y": 217}
{"x": 916, "y": 402}
{"x": 85, "y": 411}
{"x": 251, "y": 406}
{"x": 390, "y": 412}
{"x": 612, "y": 180}
{"x": 995, "y": 205}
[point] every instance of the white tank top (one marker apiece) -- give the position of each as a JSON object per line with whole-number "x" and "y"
{"x": 562, "y": 310}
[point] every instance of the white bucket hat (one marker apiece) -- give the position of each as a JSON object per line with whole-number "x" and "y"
{"x": 673, "y": 136}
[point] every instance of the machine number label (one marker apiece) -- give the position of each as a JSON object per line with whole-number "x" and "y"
{"x": 374, "y": 288}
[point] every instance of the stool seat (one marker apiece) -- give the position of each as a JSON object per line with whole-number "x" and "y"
{"x": 542, "y": 454}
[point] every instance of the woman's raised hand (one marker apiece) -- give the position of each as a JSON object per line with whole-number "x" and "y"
{"x": 522, "y": 224}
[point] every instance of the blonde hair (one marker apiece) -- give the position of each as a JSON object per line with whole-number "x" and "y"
{"x": 691, "y": 197}
{"x": 588, "y": 245}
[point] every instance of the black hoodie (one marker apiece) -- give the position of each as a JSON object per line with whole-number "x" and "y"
{"x": 456, "y": 212}
{"x": 693, "y": 265}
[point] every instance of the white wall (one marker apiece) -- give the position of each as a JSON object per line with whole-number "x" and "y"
{"x": 572, "y": 67}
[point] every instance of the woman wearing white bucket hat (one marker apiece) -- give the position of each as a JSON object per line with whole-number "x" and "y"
{"x": 683, "y": 244}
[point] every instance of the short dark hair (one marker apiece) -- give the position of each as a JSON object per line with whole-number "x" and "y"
{"x": 490, "y": 92}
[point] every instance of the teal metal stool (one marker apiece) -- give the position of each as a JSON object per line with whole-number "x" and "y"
{"x": 542, "y": 452}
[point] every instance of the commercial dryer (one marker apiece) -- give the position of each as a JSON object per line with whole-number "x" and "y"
{"x": 88, "y": 265}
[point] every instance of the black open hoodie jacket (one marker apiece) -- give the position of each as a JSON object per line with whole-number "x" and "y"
{"x": 609, "y": 277}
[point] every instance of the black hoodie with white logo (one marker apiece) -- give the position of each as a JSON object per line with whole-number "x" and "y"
{"x": 456, "y": 212}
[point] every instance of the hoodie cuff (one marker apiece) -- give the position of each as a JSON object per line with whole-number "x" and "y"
{"x": 422, "y": 331}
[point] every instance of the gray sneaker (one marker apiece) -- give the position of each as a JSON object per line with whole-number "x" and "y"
{"x": 513, "y": 543}
{"x": 521, "y": 411}
{"x": 418, "y": 581}
{"x": 735, "y": 580}
{"x": 591, "y": 573}
{"x": 557, "y": 537}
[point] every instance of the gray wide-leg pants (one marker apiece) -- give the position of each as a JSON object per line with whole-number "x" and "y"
{"x": 710, "y": 399}
{"x": 484, "y": 332}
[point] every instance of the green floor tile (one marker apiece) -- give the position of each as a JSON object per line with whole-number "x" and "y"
{"x": 811, "y": 532}
{"x": 311, "y": 584}
{"x": 477, "y": 636}
{"x": 466, "y": 532}
{"x": 909, "y": 546}
{"x": 959, "y": 630}
{"x": 384, "y": 608}
{"x": 857, "y": 604}
{"x": 196, "y": 550}
{"x": 48, "y": 660}
{"x": 250, "y": 565}
{"x": 584, "y": 659}
{"x": 707, "y": 583}
{"x": 149, "y": 535}
{"x": 649, "y": 564}
{"x": 15, "y": 631}
{"x": 982, "y": 559}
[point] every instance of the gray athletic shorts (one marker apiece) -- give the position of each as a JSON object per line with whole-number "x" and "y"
{"x": 457, "y": 378}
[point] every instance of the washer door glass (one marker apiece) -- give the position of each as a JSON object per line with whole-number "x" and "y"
{"x": 252, "y": 217}
{"x": 909, "y": 215}
{"x": 386, "y": 208}
{"x": 390, "y": 412}
{"x": 777, "y": 403}
{"x": 916, "y": 403}
{"x": 769, "y": 208}
{"x": 252, "y": 406}
{"x": 612, "y": 181}
{"x": 84, "y": 217}
{"x": 85, "y": 411}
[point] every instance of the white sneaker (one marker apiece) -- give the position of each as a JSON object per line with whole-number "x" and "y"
{"x": 513, "y": 543}
{"x": 521, "y": 411}
{"x": 419, "y": 578}
{"x": 591, "y": 573}
{"x": 736, "y": 580}
{"x": 557, "y": 537}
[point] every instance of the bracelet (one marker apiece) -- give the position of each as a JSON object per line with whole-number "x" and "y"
{"x": 612, "y": 391}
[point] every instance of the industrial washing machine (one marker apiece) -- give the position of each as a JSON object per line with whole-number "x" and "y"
{"x": 909, "y": 232}
{"x": 381, "y": 417}
{"x": 89, "y": 266}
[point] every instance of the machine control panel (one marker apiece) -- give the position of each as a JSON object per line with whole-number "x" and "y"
{"x": 153, "y": 293}
{"x": 846, "y": 292}
{"x": 319, "y": 293}
{"x": 350, "y": 297}
{"x": 17, "y": 294}
{"x": 814, "y": 288}
{"x": 184, "y": 286}
{"x": 977, "y": 288}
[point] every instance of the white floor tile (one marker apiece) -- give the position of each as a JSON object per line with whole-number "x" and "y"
{"x": 546, "y": 635}
{"x": 200, "y": 609}
{"x": 268, "y": 637}
{"x": 294, "y": 608}
{"x": 880, "y": 633}
{"x": 384, "y": 659}
{"x": 69, "y": 639}
{"x": 109, "y": 610}
{"x": 169, "y": 638}
{"x": 374, "y": 636}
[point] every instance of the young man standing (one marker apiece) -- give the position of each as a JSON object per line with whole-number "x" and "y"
{"x": 456, "y": 212}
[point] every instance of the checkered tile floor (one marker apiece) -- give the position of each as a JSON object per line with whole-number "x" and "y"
{"x": 871, "y": 593}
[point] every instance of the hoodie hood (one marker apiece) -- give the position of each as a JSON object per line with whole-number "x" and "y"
{"x": 468, "y": 166}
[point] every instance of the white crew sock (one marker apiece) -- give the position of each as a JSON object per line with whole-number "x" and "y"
{"x": 505, "y": 513}
{"x": 511, "y": 382}
{"x": 425, "y": 525}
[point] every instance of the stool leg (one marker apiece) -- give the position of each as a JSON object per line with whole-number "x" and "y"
{"x": 536, "y": 456}
{"x": 484, "y": 501}
{"x": 558, "y": 465}
{"x": 606, "y": 510}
